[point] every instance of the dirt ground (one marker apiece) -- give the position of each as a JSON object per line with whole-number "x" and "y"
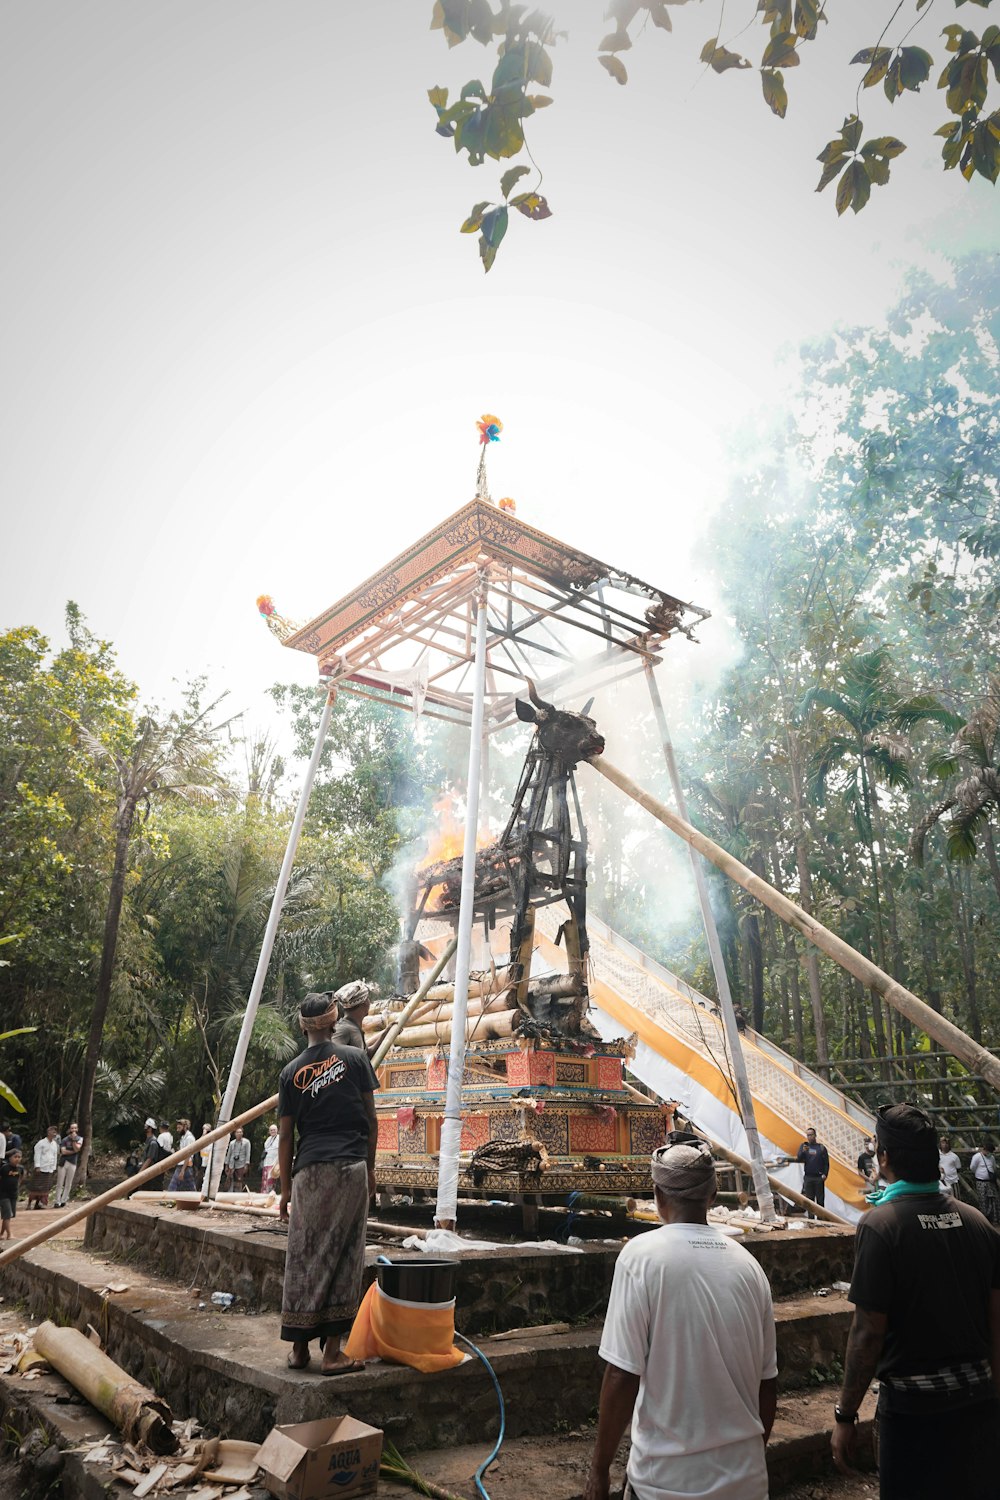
{"x": 865, "y": 1487}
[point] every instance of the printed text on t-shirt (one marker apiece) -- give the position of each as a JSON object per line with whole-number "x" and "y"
{"x": 312, "y": 1077}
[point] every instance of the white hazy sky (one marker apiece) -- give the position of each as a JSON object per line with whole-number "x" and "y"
{"x": 244, "y": 346}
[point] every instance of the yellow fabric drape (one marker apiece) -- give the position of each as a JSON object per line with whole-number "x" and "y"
{"x": 421, "y": 1336}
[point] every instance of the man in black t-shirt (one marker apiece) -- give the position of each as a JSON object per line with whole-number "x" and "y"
{"x": 325, "y": 1103}
{"x": 926, "y": 1292}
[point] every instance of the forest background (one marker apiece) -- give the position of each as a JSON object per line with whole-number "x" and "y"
{"x": 850, "y": 754}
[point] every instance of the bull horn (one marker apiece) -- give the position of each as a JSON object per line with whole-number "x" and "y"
{"x": 545, "y": 708}
{"x": 585, "y": 710}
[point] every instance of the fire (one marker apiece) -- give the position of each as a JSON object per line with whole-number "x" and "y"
{"x": 447, "y": 838}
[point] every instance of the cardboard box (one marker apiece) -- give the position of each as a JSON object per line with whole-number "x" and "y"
{"x": 313, "y": 1460}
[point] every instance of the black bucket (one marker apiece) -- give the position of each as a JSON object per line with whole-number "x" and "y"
{"x": 420, "y": 1280}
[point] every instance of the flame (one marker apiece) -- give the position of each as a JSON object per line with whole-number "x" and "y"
{"x": 447, "y": 835}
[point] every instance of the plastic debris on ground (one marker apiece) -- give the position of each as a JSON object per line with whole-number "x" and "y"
{"x": 447, "y": 1242}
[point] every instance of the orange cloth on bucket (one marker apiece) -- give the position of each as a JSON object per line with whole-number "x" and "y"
{"x": 407, "y": 1333}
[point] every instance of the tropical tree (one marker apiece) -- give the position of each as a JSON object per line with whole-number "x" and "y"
{"x": 974, "y": 801}
{"x": 173, "y": 756}
{"x": 868, "y": 743}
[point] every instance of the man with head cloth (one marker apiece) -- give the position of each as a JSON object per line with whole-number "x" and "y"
{"x": 354, "y": 1000}
{"x": 689, "y": 1342}
{"x": 325, "y": 1101}
{"x": 926, "y": 1294}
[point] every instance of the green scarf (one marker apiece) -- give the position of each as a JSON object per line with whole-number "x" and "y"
{"x": 902, "y": 1190}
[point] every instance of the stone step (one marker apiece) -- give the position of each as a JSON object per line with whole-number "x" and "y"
{"x": 227, "y": 1368}
{"x": 506, "y": 1289}
{"x": 555, "y": 1466}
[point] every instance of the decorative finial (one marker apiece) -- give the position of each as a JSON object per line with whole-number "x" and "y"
{"x": 277, "y": 624}
{"x": 490, "y": 428}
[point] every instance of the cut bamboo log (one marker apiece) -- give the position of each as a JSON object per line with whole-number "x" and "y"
{"x": 137, "y": 1412}
{"x": 437, "y": 1010}
{"x": 484, "y": 1028}
{"x": 950, "y": 1037}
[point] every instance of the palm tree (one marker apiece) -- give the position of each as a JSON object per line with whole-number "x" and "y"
{"x": 168, "y": 757}
{"x": 974, "y": 802}
{"x": 869, "y": 743}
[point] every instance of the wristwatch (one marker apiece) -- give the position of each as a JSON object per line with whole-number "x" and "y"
{"x": 847, "y": 1417}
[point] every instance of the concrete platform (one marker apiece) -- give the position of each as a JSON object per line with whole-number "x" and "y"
{"x": 503, "y": 1290}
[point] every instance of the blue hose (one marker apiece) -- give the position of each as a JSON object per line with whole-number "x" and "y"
{"x": 503, "y": 1414}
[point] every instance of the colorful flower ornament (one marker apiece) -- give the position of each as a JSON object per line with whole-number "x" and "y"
{"x": 490, "y": 428}
{"x": 265, "y": 605}
{"x": 507, "y": 504}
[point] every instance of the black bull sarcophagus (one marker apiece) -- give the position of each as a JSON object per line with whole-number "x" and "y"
{"x": 540, "y": 858}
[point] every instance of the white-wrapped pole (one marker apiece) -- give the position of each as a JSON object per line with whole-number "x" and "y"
{"x": 451, "y": 1128}
{"x": 762, "y": 1186}
{"x": 214, "y": 1174}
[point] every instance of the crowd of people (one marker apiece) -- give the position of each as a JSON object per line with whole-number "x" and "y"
{"x": 160, "y": 1141}
{"x": 54, "y": 1161}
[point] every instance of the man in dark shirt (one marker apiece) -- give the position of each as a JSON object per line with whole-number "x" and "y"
{"x": 815, "y": 1168}
{"x": 866, "y": 1163}
{"x": 354, "y": 1000}
{"x": 325, "y": 1101}
{"x": 926, "y": 1293}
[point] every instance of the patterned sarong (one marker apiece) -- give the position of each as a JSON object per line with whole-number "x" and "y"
{"x": 325, "y": 1259}
{"x": 989, "y": 1199}
{"x": 40, "y": 1187}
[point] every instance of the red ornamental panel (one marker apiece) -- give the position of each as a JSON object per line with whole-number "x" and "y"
{"x": 388, "y": 1133}
{"x": 609, "y": 1073}
{"x": 542, "y": 1067}
{"x": 590, "y": 1134}
{"x": 437, "y": 1073}
{"x": 475, "y": 1132}
{"x": 518, "y": 1069}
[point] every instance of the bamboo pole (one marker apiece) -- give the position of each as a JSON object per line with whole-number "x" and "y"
{"x": 950, "y": 1036}
{"x": 489, "y": 1027}
{"x": 821, "y": 1211}
{"x": 412, "y": 1004}
{"x": 122, "y": 1189}
{"x": 137, "y": 1412}
{"x": 726, "y": 1008}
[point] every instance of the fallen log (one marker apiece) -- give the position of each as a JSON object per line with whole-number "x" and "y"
{"x": 138, "y": 1413}
{"x": 943, "y": 1031}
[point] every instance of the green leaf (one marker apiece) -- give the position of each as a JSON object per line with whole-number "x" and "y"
{"x": 877, "y": 59}
{"x": 438, "y": 97}
{"x": 986, "y": 152}
{"x": 494, "y": 228}
{"x": 532, "y": 205}
{"x": 914, "y": 67}
{"x": 660, "y": 16}
{"x": 539, "y": 101}
{"x": 775, "y": 93}
{"x": 883, "y": 145}
{"x": 473, "y": 90}
{"x": 851, "y": 131}
{"x": 720, "y": 59}
{"x": 616, "y": 41}
{"x": 854, "y": 189}
{"x": 830, "y": 171}
{"x": 6, "y": 1092}
{"x": 522, "y": 63}
{"x": 807, "y": 14}
{"x": 512, "y": 175}
{"x": 615, "y": 67}
{"x": 475, "y": 220}
{"x": 503, "y": 134}
{"x": 781, "y": 51}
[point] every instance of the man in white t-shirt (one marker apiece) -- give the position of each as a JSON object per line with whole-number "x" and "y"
{"x": 949, "y": 1166}
{"x": 689, "y": 1342}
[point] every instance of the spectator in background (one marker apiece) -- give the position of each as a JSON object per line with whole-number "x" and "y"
{"x": 269, "y": 1161}
{"x": 46, "y": 1164}
{"x": 984, "y": 1169}
{"x": 165, "y": 1140}
{"x": 949, "y": 1166}
{"x": 182, "y": 1178}
{"x": 238, "y": 1160}
{"x": 69, "y": 1154}
{"x": 815, "y": 1160}
{"x": 205, "y": 1155}
{"x": 150, "y": 1156}
{"x": 354, "y": 1000}
{"x": 12, "y": 1140}
{"x": 11, "y": 1173}
{"x": 866, "y": 1163}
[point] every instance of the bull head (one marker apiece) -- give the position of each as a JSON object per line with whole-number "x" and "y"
{"x": 571, "y": 736}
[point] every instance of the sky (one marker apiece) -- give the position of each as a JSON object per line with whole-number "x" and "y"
{"x": 245, "y": 346}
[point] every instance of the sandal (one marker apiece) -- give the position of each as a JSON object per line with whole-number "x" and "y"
{"x": 352, "y": 1367}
